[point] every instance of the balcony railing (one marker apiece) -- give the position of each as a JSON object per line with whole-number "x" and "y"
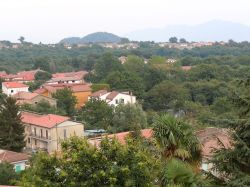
{"x": 38, "y": 136}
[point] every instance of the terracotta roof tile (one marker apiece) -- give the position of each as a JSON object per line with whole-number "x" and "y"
{"x": 98, "y": 93}
{"x": 10, "y": 156}
{"x": 112, "y": 95}
{"x": 46, "y": 120}
{"x": 79, "y": 74}
{"x": 209, "y": 139}
{"x": 14, "y": 85}
{"x": 121, "y": 137}
{"x": 52, "y": 88}
{"x": 25, "y": 95}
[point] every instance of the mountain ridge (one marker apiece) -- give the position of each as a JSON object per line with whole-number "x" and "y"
{"x": 215, "y": 30}
{"x": 96, "y": 37}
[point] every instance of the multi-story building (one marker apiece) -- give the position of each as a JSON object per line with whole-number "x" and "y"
{"x": 46, "y": 132}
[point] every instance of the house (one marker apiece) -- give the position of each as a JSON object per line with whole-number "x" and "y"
{"x": 114, "y": 98}
{"x": 121, "y": 137}
{"x": 33, "y": 98}
{"x": 18, "y": 160}
{"x": 46, "y": 132}
{"x": 11, "y": 88}
{"x": 22, "y": 77}
{"x": 80, "y": 91}
{"x": 68, "y": 78}
{"x": 212, "y": 139}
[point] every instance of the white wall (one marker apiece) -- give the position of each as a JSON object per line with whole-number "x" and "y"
{"x": 128, "y": 99}
{"x": 12, "y": 91}
{"x": 66, "y": 82}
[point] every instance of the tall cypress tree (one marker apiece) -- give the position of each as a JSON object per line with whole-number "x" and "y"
{"x": 11, "y": 127}
{"x": 234, "y": 164}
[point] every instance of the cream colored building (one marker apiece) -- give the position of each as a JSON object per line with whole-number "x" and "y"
{"x": 46, "y": 132}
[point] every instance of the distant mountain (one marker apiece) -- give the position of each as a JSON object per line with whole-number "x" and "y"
{"x": 98, "y": 37}
{"x": 209, "y": 31}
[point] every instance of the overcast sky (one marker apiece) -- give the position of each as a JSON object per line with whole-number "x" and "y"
{"x": 49, "y": 21}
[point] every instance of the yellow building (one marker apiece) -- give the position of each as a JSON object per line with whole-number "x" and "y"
{"x": 46, "y": 132}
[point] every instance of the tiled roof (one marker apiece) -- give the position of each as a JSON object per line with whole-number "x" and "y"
{"x": 57, "y": 79}
{"x": 22, "y": 76}
{"x": 40, "y": 91}
{"x": 25, "y": 95}
{"x": 209, "y": 139}
{"x": 10, "y": 156}
{"x": 99, "y": 93}
{"x": 52, "y": 88}
{"x": 46, "y": 120}
{"x": 14, "y": 85}
{"x": 79, "y": 74}
{"x": 80, "y": 87}
{"x": 121, "y": 137}
{"x": 112, "y": 95}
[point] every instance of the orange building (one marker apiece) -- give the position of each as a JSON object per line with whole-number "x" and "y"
{"x": 80, "y": 91}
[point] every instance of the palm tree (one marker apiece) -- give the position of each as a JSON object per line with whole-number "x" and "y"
{"x": 176, "y": 139}
{"x": 177, "y": 173}
{"x": 181, "y": 152}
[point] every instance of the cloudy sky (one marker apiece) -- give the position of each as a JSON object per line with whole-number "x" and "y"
{"x": 49, "y": 21}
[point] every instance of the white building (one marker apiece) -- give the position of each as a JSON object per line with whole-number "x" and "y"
{"x": 11, "y": 88}
{"x": 114, "y": 98}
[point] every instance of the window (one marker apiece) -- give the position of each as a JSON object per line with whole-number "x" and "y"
{"x": 35, "y": 142}
{"x": 47, "y": 134}
{"x": 73, "y": 81}
{"x": 41, "y": 132}
{"x": 11, "y": 91}
{"x": 35, "y": 131}
{"x": 116, "y": 101}
{"x": 65, "y": 133}
{"x": 122, "y": 101}
{"x": 28, "y": 140}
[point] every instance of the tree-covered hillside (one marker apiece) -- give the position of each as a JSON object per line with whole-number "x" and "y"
{"x": 98, "y": 37}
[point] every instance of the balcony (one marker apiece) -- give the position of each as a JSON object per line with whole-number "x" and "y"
{"x": 39, "y": 137}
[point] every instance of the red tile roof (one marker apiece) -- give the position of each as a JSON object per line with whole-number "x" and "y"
{"x": 209, "y": 139}
{"x": 10, "y": 156}
{"x": 98, "y": 93}
{"x": 25, "y": 95}
{"x": 112, "y": 95}
{"x": 79, "y": 74}
{"x": 40, "y": 90}
{"x": 52, "y": 88}
{"x": 121, "y": 137}
{"x": 14, "y": 85}
{"x": 21, "y": 76}
{"x": 46, "y": 120}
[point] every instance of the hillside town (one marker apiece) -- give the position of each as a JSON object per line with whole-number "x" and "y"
{"x": 124, "y": 93}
